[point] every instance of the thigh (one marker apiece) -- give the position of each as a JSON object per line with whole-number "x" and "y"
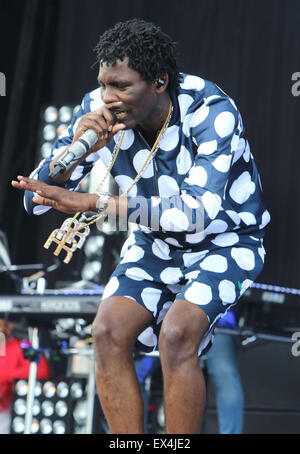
{"x": 134, "y": 308}
{"x": 138, "y": 277}
{"x": 182, "y": 332}
{"x": 216, "y": 281}
{"x": 185, "y": 322}
{"x": 122, "y": 316}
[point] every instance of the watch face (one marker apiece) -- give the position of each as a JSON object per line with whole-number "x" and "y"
{"x": 102, "y": 201}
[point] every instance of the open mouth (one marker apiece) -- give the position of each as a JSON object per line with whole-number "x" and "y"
{"x": 120, "y": 114}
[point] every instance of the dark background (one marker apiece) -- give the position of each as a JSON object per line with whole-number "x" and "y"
{"x": 250, "y": 48}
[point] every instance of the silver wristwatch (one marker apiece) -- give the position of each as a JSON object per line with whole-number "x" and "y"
{"x": 102, "y": 201}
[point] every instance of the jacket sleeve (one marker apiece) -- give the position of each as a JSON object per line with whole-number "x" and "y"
{"x": 214, "y": 130}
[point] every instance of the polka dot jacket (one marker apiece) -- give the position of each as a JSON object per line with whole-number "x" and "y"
{"x": 203, "y": 180}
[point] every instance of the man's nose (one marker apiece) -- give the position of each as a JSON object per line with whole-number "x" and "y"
{"x": 109, "y": 95}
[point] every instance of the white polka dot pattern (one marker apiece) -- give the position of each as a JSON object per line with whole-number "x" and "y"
{"x": 138, "y": 162}
{"x": 128, "y": 140}
{"x": 215, "y": 263}
{"x": 226, "y": 239}
{"x": 168, "y": 186}
{"x": 189, "y": 258}
{"x": 202, "y": 156}
{"x": 197, "y": 176}
{"x": 174, "y": 220}
{"x": 242, "y": 188}
{"x": 171, "y": 275}
{"x": 199, "y": 293}
{"x": 211, "y": 203}
{"x": 200, "y": 116}
{"x": 111, "y": 287}
{"x": 183, "y": 161}
{"x": 207, "y": 148}
{"x": 138, "y": 274}
{"x": 222, "y": 163}
{"x": 227, "y": 291}
{"x": 185, "y": 102}
{"x": 150, "y": 297}
{"x": 244, "y": 285}
{"x": 244, "y": 258}
{"x": 147, "y": 337}
{"x": 161, "y": 250}
{"x": 170, "y": 139}
{"x": 125, "y": 182}
{"x": 224, "y": 124}
{"x": 134, "y": 254}
{"x": 193, "y": 82}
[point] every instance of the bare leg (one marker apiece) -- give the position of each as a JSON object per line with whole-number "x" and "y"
{"x": 184, "y": 384}
{"x": 118, "y": 323}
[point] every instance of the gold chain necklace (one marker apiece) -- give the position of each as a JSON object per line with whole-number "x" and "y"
{"x": 65, "y": 236}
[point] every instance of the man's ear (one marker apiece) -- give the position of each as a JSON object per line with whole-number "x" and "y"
{"x": 161, "y": 82}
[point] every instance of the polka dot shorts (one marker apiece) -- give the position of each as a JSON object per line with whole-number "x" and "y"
{"x": 213, "y": 276}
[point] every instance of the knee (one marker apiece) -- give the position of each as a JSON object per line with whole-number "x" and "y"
{"x": 176, "y": 344}
{"x": 108, "y": 337}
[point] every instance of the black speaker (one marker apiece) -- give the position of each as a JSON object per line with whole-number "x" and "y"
{"x": 270, "y": 376}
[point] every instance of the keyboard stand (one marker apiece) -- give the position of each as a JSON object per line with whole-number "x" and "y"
{"x": 34, "y": 339}
{"x": 91, "y": 384}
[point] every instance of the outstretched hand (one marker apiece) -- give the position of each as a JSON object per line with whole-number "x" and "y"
{"x": 58, "y": 198}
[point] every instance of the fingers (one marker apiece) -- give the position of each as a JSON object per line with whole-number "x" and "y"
{"x": 53, "y": 196}
{"x": 103, "y": 122}
{"x": 51, "y": 193}
{"x": 21, "y": 184}
{"x": 39, "y": 200}
{"x": 116, "y": 128}
{"x": 106, "y": 111}
{"x": 95, "y": 122}
{"x": 43, "y": 201}
{"x": 28, "y": 184}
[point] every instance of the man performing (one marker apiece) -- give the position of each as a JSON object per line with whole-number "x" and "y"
{"x": 179, "y": 154}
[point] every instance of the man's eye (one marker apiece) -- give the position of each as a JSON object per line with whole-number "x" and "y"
{"x": 122, "y": 87}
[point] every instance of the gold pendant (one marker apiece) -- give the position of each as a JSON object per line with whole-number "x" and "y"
{"x": 68, "y": 237}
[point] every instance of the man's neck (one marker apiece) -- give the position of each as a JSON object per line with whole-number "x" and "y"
{"x": 149, "y": 136}
{"x": 152, "y": 126}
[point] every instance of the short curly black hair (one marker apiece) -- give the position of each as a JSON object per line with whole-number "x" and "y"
{"x": 150, "y": 51}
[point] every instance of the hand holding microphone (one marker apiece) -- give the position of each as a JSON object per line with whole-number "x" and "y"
{"x": 94, "y": 131}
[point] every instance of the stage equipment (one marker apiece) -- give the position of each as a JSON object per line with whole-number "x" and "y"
{"x": 46, "y": 314}
{"x": 53, "y": 404}
{"x": 53, "y": 304}
{"x": 93, "y": 257}
{"x": 53, "y": 124}
{"x": 22, "y": 284}
{"x": 270, "y": 310}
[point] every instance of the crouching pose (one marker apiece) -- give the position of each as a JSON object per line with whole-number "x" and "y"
{"x": 176, "y": 146}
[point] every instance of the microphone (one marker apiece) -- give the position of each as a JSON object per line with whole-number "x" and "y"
{"x": 77, "y": 150}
